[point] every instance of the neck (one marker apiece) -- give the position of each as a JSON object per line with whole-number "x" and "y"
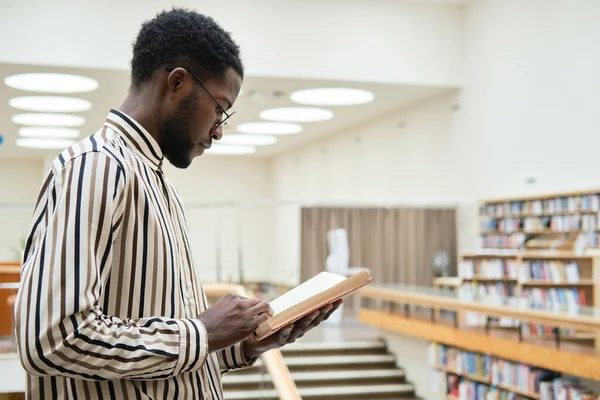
{"x": 141, "y": 105}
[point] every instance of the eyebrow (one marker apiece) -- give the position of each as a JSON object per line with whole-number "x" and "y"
{"x": 225, "y": 102}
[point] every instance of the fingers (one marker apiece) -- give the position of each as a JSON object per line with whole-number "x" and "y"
{"x": 251, "y": 302}
{"x": 302, "y": 326}
{"x": 278, "y": 340}
{"x": 324, "y": 313}
{"x": 261, "y": 307}
{"x": 258, "y": 320}
{"x": 284, "y": 336}
{"x": 335, "y": 305}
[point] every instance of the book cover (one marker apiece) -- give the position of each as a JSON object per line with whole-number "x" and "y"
{"x": 322, "y": 289}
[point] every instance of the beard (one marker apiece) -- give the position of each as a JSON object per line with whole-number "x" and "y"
{"x": 177, "y": 146}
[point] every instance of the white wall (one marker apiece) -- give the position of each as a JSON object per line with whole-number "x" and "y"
{"x": 389, "y": 160}
{"x": 373, "y": 40}
{"x": 219, "y": 180}
{"x": 529, "y": 107}
{"x": 407, "y": 158}
{"x": 20, "y": 182}
{"x": 209, "y": 179}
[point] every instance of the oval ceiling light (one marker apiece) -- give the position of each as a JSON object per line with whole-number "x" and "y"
{"x": 296, "y": 114}
{"x": 46, "y": 132}
{"x": 37, "y": 143}
{"x": 246, "y": 139}
{"x": 50, "y": 104}
{"x": 332, "y": 96}
{"x": 226, "y": 149}
{"x": 51, "y": 83}
{"x": 48, "y": 120}
{"x": 269, "y": 128}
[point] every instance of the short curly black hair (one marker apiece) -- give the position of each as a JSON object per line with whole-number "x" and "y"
{"x": 181, "y": 37}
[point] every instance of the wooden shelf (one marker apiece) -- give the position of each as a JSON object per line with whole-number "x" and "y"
{"x": 569, "y": 358}
{"x": 488, "y": 382}
{"x": 556, "y": 256}
{"x": 489, "y": 255}
{"x": 447, "y": 281}
{"x": 542, "y": 232}
{"x": 582, "y": 282}
{"x": 544, "y": 214}
{"x": 571, "y": 337}
{"x": 486, "y": 279}
{"x": 541, "y": 196}
{"x": 501, "y": 248}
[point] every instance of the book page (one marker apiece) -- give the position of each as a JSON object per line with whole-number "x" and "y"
{"x": 311, "y": 287}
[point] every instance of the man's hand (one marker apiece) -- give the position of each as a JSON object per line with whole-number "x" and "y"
{"x": 232, "y": 319}
{"x": 290, "y": 333}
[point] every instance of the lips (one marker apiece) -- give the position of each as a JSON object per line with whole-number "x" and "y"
{"x": 206, "y": 145}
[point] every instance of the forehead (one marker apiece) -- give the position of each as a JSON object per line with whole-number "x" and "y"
{"x": 227, "y": 88}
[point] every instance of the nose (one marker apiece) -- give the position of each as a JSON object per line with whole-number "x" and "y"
{"x": 217, "y": 133}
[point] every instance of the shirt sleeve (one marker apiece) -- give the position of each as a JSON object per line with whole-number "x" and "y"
{"x": 233, "y": 358}
{"x": 60, "y": 328}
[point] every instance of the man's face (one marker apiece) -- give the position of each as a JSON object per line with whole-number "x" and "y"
{"x": 191, "y": 127}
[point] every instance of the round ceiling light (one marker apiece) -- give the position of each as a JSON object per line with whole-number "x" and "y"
{"x": 51, "y": 83}
{"x": 48, "y": 120}
{"x": 269, "y": 128}
{"x": 296, "y": 114}
{"x": 50, "y": 104}
{"x": 37, "y": 143}
{"x": 226, "y": 149}
{"x": 246, "y": 139}
{"x": 45, "y": 132}
{"x": 332, "y": 96}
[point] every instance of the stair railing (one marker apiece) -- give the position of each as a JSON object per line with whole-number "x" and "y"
{"x": 273, "y": 360}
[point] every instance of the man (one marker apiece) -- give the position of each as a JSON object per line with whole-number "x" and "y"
{"x": 111, "y": 305}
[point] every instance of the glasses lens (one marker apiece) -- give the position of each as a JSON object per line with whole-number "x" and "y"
{"x": 225, "y": 120}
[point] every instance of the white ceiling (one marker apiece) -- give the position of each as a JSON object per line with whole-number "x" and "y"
{"x": 258, "y": 93}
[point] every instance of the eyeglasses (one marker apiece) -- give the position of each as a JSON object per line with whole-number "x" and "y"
{"x": 227, "y": 116}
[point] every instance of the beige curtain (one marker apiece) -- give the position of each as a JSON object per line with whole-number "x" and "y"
{"x": 398, "y": 244}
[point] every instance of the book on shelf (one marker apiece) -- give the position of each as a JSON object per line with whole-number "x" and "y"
{"x": 488, "y": 268}
{"x": 568, "y": 388}
{"x": 536, "y": 225}
{"x": 322, "y": 289}
{"x": 514, "y": 240}
{"x": 565, "y": 300}
{"x": 554, "y": 271}
{"x": 491, "y": 293}
{"x": 568, "y": 300}
{"x": 468, "y": 375}
{"x": 559, "y": 204}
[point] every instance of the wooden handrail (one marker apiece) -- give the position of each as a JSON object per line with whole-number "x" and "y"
{"x": 569, "y": 359}
{"x": 10, "y": 267}
{"x": 583, "y": 322}
{"x": 273, "y": 359}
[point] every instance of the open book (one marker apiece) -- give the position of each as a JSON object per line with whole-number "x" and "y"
{"x": 312, "y": 295}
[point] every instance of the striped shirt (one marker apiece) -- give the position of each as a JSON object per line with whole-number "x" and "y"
{"x": 109, "y": 291}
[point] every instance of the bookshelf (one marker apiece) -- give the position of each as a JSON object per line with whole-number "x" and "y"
{"x": 554, "y": 220}
{"x": 459, "y": 373}
{"x": 559, "y": 281}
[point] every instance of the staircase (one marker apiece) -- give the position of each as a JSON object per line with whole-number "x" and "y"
{"x": 343, "y": 370}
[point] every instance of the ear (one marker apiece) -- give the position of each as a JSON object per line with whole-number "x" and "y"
{"x": 176, "y": 80}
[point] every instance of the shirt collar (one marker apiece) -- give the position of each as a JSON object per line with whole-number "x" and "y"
{"x": 136, "y": 137}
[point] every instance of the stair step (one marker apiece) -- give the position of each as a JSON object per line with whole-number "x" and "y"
{"x": 318, "y": 376}
{"x": 372, "y": 345}
{"x": 404, "y": 389}
{"x": 332, "y": 361}
{"x": 329, "y": 362}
